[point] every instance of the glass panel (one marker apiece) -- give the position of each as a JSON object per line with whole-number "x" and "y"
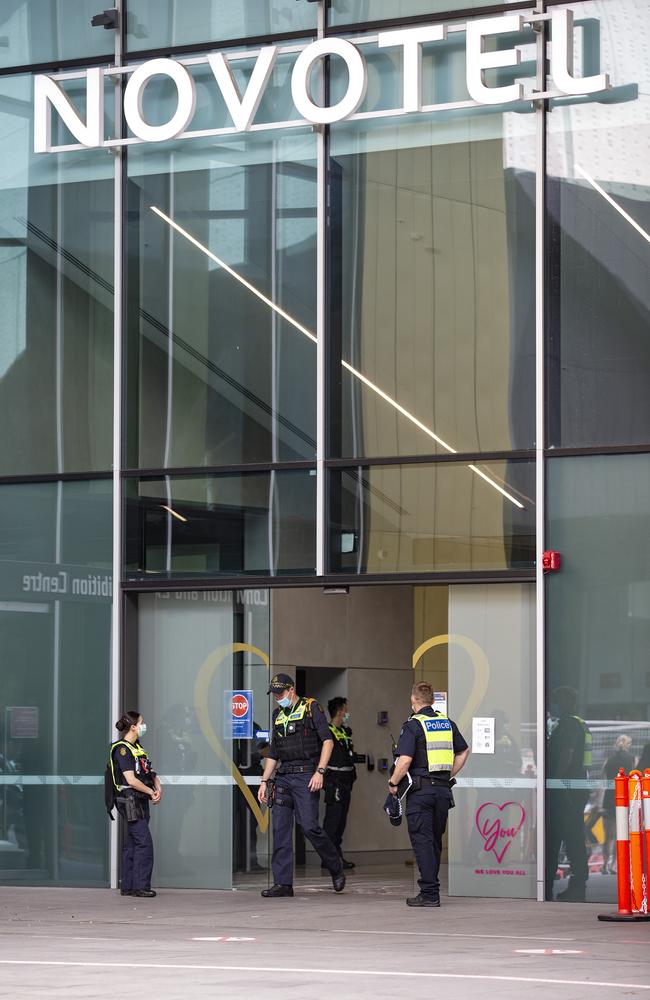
{"x": 222, "y": 525}
{"x": 598, "y": 631}
{"x": 55, "y": 621}
{"x": 222, "y": 353}
{"x": 50, "y": 31}
{"x": 432, "y": 295}
{"x": 153, "y": 24}
{"x": 599, "y": 235}
{"x": 56, "y": 299}
{"x": 491, "y": 691}
{"x": 196, "y": 652}
{"x": 360, "y": 11}
{"x": 423, "y": 518}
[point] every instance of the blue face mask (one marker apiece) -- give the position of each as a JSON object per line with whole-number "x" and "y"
{"x": 346, "y": 718}
{"x": 284, "y": 702}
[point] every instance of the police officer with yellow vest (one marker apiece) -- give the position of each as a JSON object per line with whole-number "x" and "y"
{"x": 136, "y": 784}
{"x": 300, "y": 745}
{"x": 431, "y": 749}
{"x": 340, "y": 776}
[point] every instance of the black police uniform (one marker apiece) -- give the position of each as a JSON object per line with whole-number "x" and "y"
{"x": 339, "y": 778}
{"x": 297, "y": 751}
{"x": 137, "y": 847}
{"x": 427, "y": 806}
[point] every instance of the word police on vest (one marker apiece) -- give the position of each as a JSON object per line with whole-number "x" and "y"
{"x": 483, "y": 52}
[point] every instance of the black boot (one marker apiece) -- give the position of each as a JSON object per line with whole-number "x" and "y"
{"x": 338, "y": 881}
{"x": 421, "y": 900}
{"x": 347, "y": 864}
{"x": 277, "y": 890}
{"x": 148, "y": 893}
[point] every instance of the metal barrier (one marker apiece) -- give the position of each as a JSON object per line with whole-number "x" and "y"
{"x": 632, "y": 796}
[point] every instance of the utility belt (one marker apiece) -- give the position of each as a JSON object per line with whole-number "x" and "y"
{"x": 422, "y": 781}
{"x": 341, "y": 770}
{"x": 131, "y": 805}
{"x": 306, "y": 767}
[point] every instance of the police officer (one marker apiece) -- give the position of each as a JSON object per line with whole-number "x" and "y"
{"x": 432, "y": 750}
{"x": 301, "y": 745}
{"x": 339, "y": 776}
{"x": 136, "y": 784}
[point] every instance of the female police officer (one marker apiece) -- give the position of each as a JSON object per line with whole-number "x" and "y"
{"x": 135, "y": 783}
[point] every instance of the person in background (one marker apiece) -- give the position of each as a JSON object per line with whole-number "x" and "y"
{"x": 621, "y": 757}
{"x": 569, "y": 757}
{"x": 339, "y": 776}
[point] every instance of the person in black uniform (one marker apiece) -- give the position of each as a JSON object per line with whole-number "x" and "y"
{"x": 136, "y": 784}
{"x": 431, "y": 749}
{"x": 339, "y": 776}
{"x": 301, "y": 746}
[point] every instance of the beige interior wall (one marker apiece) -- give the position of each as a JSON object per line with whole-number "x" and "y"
{"x": 370, "y": 633}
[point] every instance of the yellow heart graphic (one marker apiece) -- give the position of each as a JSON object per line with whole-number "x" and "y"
{"x": 201, "y": 687}
{"x": 480, "y": 663}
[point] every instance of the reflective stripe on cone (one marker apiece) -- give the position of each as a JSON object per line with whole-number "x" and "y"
{"x": 639, "y": 896}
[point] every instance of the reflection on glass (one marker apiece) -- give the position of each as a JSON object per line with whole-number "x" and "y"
{"x": 195, "y": 650}
{"x": 218, "y": 373}
{"x": 597, "y": 639}
{"x": 423, "y": 518}
{"x": 153, "y": 24}
{"x": 56, "y": 300}
{"x": 222, "y": 525}
{"x": 432, "y": 283}
{"x": 43, "y": 32}
{"x": 490, "y": 679}
{"x": 359, "y": 11}
{"x": 55, "y": 622}
{"x": 599, "y": 238}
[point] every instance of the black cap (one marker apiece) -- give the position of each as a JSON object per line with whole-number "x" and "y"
{"x": 280, "y": 682}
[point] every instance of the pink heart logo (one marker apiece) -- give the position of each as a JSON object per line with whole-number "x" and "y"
{"x": 499, "y": 831}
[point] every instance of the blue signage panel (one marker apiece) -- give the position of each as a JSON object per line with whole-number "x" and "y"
{"x": 239, "y": 715}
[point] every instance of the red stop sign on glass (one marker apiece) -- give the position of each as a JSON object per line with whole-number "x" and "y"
{"x": 239, "y": 706}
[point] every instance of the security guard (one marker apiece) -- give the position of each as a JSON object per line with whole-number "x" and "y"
{"x": 339, "y": 776}
{"x": 431, "y": 749}
{"x": 135, "y": 784}
{"x": 301, "y": 746}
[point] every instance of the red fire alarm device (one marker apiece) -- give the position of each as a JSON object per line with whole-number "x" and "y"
{"x": 551, "y": 561}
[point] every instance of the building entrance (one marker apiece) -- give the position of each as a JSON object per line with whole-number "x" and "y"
{"x": 198, "y": 665}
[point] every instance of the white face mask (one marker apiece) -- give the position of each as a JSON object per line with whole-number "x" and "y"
{"x": 346, "y": 718}
{"x": 142, "y": 730}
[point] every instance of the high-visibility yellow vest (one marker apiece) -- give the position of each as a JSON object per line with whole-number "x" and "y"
{"x": 439, "y": 738}
{"x": 137, "y": 752}
{"x": 341, "y": 736}
{"x": 303, "y": 706}
{"x": 587, "y": 753}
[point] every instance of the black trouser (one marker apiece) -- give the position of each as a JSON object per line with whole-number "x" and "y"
{"x": 293, "y": 799}
{"x": 565, "y": 822}
{"x": 426, "y": 817}
{"x": 338, "y": 793}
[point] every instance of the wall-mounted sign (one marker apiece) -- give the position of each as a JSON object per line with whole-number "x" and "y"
{"x": 482, "y": 735}
{"x": 486, "y": 43}
{"x": 239, "y": 715}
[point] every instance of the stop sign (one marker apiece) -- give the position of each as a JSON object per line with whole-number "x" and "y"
{"x": 239, "y": 706}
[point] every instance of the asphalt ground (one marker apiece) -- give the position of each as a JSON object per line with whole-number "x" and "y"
{"x": 364, "y": 942}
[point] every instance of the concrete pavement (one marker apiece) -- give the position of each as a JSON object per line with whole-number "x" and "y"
{"x": 88, "y": 943}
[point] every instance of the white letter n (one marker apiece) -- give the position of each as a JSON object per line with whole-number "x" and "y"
{"x": 48, "y": 95}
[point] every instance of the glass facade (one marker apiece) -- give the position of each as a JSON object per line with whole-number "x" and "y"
{"x": 329, "y": 341}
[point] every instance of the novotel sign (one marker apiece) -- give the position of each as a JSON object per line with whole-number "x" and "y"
{"x": 485, "y": 50}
